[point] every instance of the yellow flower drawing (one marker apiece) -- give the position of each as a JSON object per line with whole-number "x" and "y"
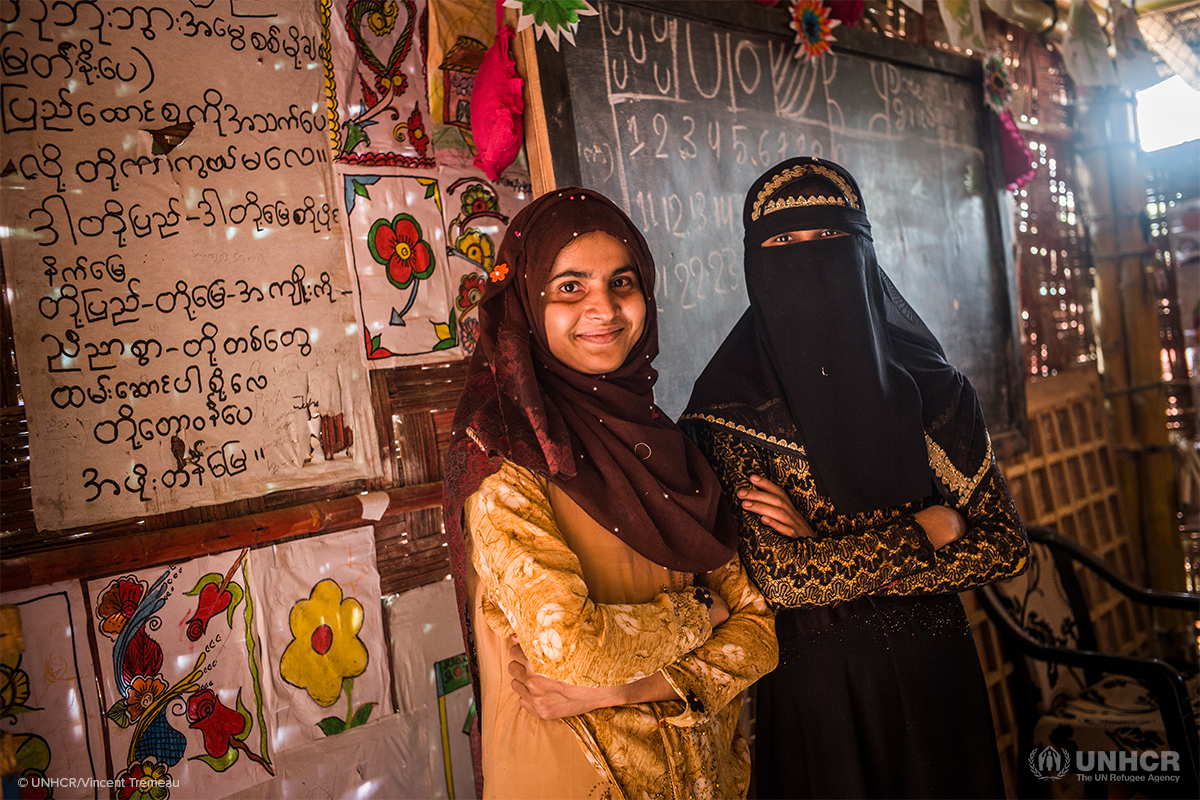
{"x": 478, "y": 247}
{"x": 325, "y": 648}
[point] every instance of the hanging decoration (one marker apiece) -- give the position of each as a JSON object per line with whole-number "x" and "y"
{"x": 1019, "y": 166}
{"x": 460, "y": 32}
{"x": 997, "y": 85}
{"x": 847, "y": 12}
{"x": 1085, "y": 48}
{"x": 1136, "y": 69}
{"x": 812, "y": 24}
{"x": 551, "y": 18}
{"x": 964, "y": 24}
{"x": 497, "y": 106}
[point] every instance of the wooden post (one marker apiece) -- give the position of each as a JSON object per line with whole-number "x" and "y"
{"x": 1115, "y": 194}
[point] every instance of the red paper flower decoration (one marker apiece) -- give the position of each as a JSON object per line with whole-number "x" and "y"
{"x": 812, "y": 24}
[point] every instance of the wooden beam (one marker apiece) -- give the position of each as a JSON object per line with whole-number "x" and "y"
{"x": 92, "y": 559}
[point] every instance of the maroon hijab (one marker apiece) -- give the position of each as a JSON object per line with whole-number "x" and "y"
{"x": 598, "y": 437}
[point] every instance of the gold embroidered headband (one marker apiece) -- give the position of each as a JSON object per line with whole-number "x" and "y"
{"x": 793, "y": 174}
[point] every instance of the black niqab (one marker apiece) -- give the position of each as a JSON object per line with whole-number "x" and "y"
{"x": 862, "y": 376}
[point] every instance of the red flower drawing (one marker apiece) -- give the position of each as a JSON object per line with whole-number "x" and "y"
{"x": 117, "y": 604}
{"x": 470, "y": 291}
{"x": 400, "y": 245}
{"x": 219, "y": 723}
{"x": 416, "y": 132}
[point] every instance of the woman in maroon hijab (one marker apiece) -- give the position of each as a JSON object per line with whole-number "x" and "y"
{"x": 611, "y": 626}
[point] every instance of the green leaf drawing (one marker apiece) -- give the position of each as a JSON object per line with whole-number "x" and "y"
{"x": 331, "y": 726}
{"x": 237, "y": 593}
{"x": 212, "y": 577}
{"x": 355, "y": 135}
{"x": 362, "y": 715}
{"x": 360, "y": 189}
{"x": 218, "y": 764}
{"x": 119, "y": 714}
{"x": 241, "y": 709}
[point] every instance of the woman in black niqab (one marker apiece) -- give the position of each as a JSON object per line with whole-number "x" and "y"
{"x": 881, "y": 501}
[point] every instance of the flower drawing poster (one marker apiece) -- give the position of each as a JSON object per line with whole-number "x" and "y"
{"x": 49, "y": 704}
{"x": 181, "y": 677}
{"x": 375, "y": 83}
{"x": 322, "y": 631}
{"x": 422, "y": 246}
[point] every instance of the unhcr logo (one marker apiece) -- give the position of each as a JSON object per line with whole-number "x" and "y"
{"x": 1048, "y": 763}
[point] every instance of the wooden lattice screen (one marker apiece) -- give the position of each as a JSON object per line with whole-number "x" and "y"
{"x": 1067, "y": 480}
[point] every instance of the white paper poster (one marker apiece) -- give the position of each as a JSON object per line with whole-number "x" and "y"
{"x": 182, "y": 677}
{"x": 183, "y": 313}
{"x": 50, "y": 707}
{"x": 433, "y": 683}
{"x": 322, "y": 632}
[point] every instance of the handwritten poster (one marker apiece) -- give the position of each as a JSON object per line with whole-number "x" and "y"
{"x": 184, "y": 318}
{"x": 182, "y": 676}
{"x": 49, "y": 703}
{"x": 322, "y": 634}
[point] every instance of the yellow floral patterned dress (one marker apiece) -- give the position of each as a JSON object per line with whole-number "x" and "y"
{"x": 590, "y": 611}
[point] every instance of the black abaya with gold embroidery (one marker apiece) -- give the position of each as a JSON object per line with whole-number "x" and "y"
{"x": 832, "y": 387}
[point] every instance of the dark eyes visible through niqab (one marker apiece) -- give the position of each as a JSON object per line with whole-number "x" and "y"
{"x": 796, "y": 237}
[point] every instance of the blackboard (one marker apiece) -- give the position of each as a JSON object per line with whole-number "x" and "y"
{"x": 672, "y": 109}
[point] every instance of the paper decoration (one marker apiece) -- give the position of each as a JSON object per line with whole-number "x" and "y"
{"x": 551, "y": 18}
{"x": 182, "y": 676}
{"x": 1017, "y": 158}
{"x": 460, "y": 31}
{"x": 379, "y": 113}
{"x": 184, "y": 321}
{"x": 997, "y": 86}
{"x": 422, "y": 246}
{"x": 322, "y": 634}
{"x": 964, "y": 25}
{"x": 1085, "y": 48}
{"x": 48, "y": 703}
{"x": 1136, "y": 69}
{"x": 847, "y": 12}
{"x": 812, "y": 24}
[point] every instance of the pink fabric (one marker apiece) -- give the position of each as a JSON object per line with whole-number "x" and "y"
{"x": 847, "y": 12}
{"x": 1019, "y": 166}
{"x": 496, "y": 107}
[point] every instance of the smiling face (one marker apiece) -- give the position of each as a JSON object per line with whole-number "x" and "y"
{"x": 792, "y": 237}
{"x": 593, "y": 306}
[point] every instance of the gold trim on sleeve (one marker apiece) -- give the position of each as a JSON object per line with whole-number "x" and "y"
{"x": 950, "y": 475}
{"x": 775, "y": 440}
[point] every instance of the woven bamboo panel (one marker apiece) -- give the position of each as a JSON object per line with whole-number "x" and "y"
{"x": 1067, "y": 481}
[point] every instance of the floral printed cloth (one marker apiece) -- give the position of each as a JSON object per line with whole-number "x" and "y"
{"x": 531, "y": 584}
